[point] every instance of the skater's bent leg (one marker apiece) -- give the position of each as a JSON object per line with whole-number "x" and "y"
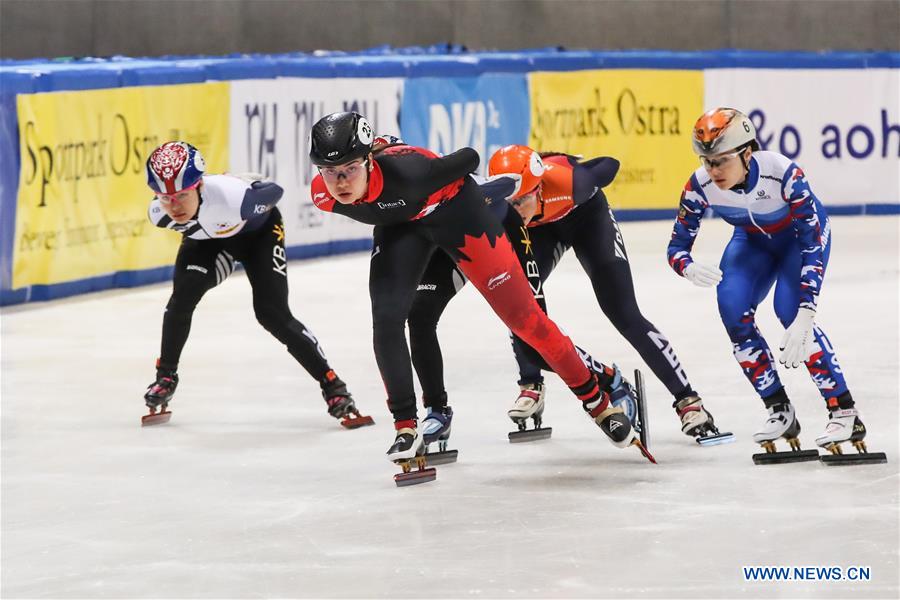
{"x": 822, "y": 364}
{"x": 747, "y": 277}
{"x": 476, "y": 240}
{"x": 266, "y": 267}
{"x": 600, "y": 249}
{"x": 495, "y": 272}
{"x": 525, "y": 245}
{"x": 188, "y": 288}
{"x": 530, "y": 362}
{"x": 438, "y": 286}
{"x": 614, "y": 289}
{"x": 394, "y": 272}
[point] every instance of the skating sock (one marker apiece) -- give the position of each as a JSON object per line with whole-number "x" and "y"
{"x": 587, "y": 391}
{"x": 593, "y": 399}
{"x": 332, "y": 385}
{"x": 405, "y": 424}
{"x": 326, "y": 379}
{"x": 438, "y": 403}
{"x": 688, "y": 391}
{"x": 165, "y": 369}
{"x": 778, "y": 398}
{"x": 842, "y": 402}
{"x": 605, "y": 377}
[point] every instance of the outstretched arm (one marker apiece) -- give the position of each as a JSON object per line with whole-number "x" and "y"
{"x": 687, "y": 225}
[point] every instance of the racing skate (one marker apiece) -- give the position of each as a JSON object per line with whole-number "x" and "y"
{"x": 408, "y": 451}
{"x": 529, "y": 405}
{"x": 632, "y": 400}
{"x": 782, "y": 423}
{"x": 340, "y": 403}
{"x": 157, "y": 398}
{"x": 698, "y": 423}
{"x": 844, "y": 425}
{"x": 436, "y": 434}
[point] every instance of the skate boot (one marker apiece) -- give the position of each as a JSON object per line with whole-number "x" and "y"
{"x": 612, "y": 420}
{"x": 340, "y": 402}
{"x": 407, "y": 450}
{"x": 436, "y": 432}
{"x": 623, "y": 394}
{"x": 844, "y": 425}
{"x": 529, "y": 405}
{"x": 698, "y": 422}
{"x": 158, "y": 395}
{"x": 782, "y": 423}
{"x": 631, "y": 398}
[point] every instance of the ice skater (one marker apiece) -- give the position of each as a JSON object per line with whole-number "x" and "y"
{"x": 226, "y": 219}
{"x": 419, "y": 202}
{"x": 782, "y": 238}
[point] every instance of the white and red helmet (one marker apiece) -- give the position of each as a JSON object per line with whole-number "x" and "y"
{"x": 173, "y": 167}
{"x": 722, "y": 129}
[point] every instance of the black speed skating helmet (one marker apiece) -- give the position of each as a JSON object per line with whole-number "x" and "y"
{"x": 339, "y": 138}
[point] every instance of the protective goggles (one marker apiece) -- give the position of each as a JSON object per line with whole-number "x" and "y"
{"x": 719, "y": 161}
{"x": 350, "y": 171}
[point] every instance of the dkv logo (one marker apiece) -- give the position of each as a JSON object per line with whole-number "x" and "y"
{"x": 464, "y": 124}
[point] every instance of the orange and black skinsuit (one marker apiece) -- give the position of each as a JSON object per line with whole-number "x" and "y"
{"x": 419, "y": 203}
{"x": 573, "y": 212}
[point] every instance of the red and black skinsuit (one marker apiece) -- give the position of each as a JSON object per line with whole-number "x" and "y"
{"x": 419, "y": 202}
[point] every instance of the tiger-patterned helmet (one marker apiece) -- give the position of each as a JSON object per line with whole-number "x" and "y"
{"x": 720, "y": 130}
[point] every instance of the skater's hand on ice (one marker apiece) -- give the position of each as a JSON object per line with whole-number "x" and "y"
{"x": 703, "y": 275}
{"x": 796, "y": 345}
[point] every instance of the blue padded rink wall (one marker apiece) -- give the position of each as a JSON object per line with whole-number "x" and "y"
{"x": 254, "y": 491}
{"x": 36, "y": 76}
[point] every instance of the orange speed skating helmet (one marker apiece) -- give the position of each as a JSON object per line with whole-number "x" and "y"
{"x": 518, "y": 160}
{"x": 720, "y": 130}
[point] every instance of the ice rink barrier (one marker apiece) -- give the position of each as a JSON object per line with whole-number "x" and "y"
{"x": 61, "y": 233}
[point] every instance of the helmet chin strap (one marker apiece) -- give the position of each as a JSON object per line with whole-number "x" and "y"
{"x": 745, "y": 164}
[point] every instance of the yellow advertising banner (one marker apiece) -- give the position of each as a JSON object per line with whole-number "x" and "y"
{"x": 83, "y": 196}
{"x": 641, "y": 117}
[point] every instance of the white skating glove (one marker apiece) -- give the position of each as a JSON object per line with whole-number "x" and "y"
{"x": 703, "y": 275}
{"x": 796, "y": 345}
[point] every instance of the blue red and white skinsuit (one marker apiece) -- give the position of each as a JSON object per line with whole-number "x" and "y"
{"x": 782, "y": 237}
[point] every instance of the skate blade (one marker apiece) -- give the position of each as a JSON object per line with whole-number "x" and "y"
{"x": 863, "y": 458}
{"x": 644, "y": 451}
{"x": 441, "y": 458}
{"x": 355, "y": 422}
{"x": 530, "y": 435}
{"x": 415, "y": 477}
{"x": 717, "y": 439}
{"x": 156, "y": 418}
{"x": 792, "y": 456}
{"x": 644, "y": 430}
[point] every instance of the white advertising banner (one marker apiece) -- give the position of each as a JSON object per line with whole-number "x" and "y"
{"x": 270, "y": 124}
{"x": 841, "y": 126}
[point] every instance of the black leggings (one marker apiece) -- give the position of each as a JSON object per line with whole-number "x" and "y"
{"x": 594, "y": 234}
{"x": 203, "y": 264}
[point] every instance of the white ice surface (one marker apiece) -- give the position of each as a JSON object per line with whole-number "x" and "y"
{"x": 253, "y": 491}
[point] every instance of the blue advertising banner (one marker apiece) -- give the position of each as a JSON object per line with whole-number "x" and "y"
{"x": 484, "y": 113}
{"x": 9, "y": 181}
